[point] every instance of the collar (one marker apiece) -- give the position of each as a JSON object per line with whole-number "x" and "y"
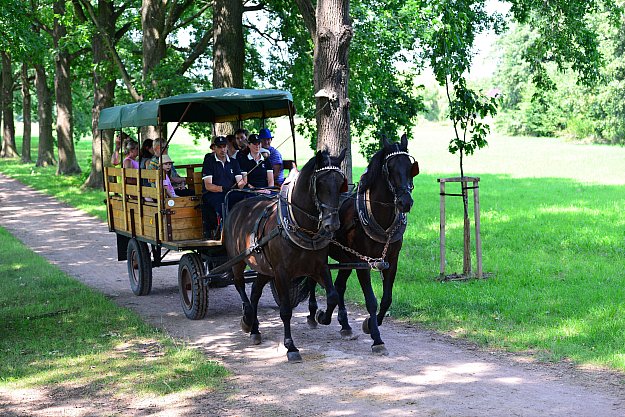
{"x": 219, "y": 160}
{"x": 251, "y": 158}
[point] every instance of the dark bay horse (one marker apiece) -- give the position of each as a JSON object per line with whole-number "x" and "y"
{"x": 287, "y": 237}
{"x": 373, "y": 221}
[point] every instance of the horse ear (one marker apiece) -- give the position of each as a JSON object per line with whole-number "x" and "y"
{"x": 385, "y": 141}
{"x": 414, "y": 170}
{"x": 404, "y": 143}
{"x": 318, "y": 159}
{"x": 341, "y": 156}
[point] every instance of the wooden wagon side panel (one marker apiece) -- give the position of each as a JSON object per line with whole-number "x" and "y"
{"x": 135, "y": 205}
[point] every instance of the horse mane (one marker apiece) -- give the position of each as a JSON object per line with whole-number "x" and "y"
{"x": 374, "y": 169}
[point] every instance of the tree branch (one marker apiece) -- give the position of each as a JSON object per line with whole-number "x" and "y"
{"x": 197, "y": 50}
{"x": 307, "y": 10}
{"x": 192, "y": 18}
{"x": 254, "y": 7}
{"x": 111, "y": 47}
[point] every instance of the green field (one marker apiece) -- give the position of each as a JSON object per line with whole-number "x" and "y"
{"x": 553, "y": 243}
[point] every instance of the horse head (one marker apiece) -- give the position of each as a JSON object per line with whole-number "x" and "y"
{"x": 327, "y": 183}
{"x": 399, "y": 169}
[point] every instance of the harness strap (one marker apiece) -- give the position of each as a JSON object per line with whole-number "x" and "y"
{"x": 371, "y": 227}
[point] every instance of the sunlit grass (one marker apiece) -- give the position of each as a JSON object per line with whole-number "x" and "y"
{"x": 54, "y": 330}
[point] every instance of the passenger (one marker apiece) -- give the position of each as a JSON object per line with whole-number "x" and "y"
{"x": 131, "y": 147}
{"x": 166, "y": 165}
{"x": 256, "y": 170}
{"x": 157, "y": 147}
{"x": 220, "y": 173}
{"x": 275, "y": 158}
{"x": 147, "y": 152}
{"x": 240, "y": 138}
{"x": 232, "y": 147}
{"x": 119, "y": 139}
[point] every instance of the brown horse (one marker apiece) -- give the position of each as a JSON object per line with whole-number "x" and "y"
{"x": 373, "y": 221}
{"x": 287, "y": 237}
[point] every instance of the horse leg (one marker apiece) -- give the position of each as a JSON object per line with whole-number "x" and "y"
{"x": 286, "y": 312}
{"x": 239, "y": 283}
{"x": 341, "y": 285}
{"x": 312, "y": 303}
{"x": 387, "y": 292}
{"x": 332, "y": 299}
{"x": 370, "y": 325}
{"x": 257, "y": 291}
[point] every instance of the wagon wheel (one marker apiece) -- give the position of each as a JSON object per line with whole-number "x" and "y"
{"x": 193, "y": 291}
{"x": 299, "y": 291}
{"x": 139, "y": 267}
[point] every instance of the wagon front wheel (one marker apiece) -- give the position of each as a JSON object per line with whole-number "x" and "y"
{"x": 193, "y": 291}
{"x": 139, "y": 267}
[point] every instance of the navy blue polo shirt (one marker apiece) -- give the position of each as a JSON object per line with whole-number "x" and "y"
{"x": 258, "y": 176}
{"x": 223, "y": 173}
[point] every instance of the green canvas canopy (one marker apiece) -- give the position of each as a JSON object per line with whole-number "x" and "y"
{"x": 215, "y": 106}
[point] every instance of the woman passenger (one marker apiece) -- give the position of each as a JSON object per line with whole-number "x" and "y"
{"x": 147, "y": 152}
{"x": 131, "y": 147}
{"x": 256, "y": 170}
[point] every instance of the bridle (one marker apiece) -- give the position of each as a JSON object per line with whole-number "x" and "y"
{"x": 399, "y": 191}
{"x": 330, "y": 210}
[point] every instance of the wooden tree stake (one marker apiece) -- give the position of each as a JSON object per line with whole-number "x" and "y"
{"x": 467, "y": 233}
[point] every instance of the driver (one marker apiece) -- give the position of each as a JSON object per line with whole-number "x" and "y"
{"x": 220, "y": 173}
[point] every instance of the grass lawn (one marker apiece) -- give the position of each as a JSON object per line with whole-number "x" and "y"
{"x": 54, "y": 330}
{"x": 552, "y": 233}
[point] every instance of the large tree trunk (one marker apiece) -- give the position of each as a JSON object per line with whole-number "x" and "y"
{"x": 331, "y": 32}
{"x": 104, "y": 90}
{"x": 26, "y": 114}
{"x": 63, "y": 90}
{"x": 228, "y": 50}
{"x": 9, "y": 149}
{"x": 45, "y": 154}
{"x": 154, "y": 49}
{"x": 331, "y": 77}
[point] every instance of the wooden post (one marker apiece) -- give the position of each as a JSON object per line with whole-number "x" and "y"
{"x": 478, "y": 238}
{"x": 467, "y": 226}
{"x": 442, "y": 228}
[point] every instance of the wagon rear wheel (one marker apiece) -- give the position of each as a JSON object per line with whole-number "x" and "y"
{"x": 193, "y": 291}
{"x": 139, "y": 267}
{"x": 299, "y": 291}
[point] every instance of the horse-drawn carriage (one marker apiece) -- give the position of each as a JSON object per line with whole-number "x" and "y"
{"x": 281, "y": 240}
{"x": 148, "y": 224}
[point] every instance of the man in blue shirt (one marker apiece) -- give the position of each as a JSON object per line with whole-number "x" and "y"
{"x": 275, "y": 158}
{"x": 220, "y": 173}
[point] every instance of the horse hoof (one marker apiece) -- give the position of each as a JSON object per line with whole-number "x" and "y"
{"x": 347, "y": 334}
{"x": 379, "y": 350}
{"x": 256, "y": 338}
{"x": 319, "y": 315}
{"x": 312, "y": 323}
{"x": 245, "y": 327}
{"x": 294, "y": 357}
{"x": 365, "y": 327}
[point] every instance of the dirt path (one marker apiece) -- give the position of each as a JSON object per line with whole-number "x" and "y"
{"x": 426, "y": 374}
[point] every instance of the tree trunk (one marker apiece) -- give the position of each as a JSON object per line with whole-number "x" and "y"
{"x": 45, "y": 154}
{"x": 331, "y": 76}
{"x": 104, "y": 91}
{"x": 228, "y": 50}
{"x": 26, "y": 114}
{"x": 9, "y": 149}
{"x": 68, "y": 164}
{"x": 154, "y": 50}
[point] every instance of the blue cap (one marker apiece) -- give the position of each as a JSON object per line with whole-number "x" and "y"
{"x": 265, "y": 134}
